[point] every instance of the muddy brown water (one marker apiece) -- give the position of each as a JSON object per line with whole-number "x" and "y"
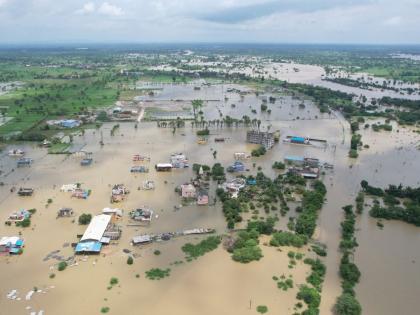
{"x": 213, "y": 284}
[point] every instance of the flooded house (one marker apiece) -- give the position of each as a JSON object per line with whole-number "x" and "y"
{"x": 237, "y": 166}
{"x": 115, "y": 212}
{"x": 18, "y": 216}
{"x": 25, "y": 192}
{"x": 179, "y": 160}
{"x": 80, "y": 193}
{"x": 141, "y": 240}
{"x": 99, "y": 232}
{"x": 234, "y": 186}
{"x": 16, "y": 152}
{"x": 305, "y": 171}
{"x": 86, "y": 161}
{"x": 140, "y": 158}
{"x": 142, "y": 214}
{"x": 24, "y": 162}
{"x": 188, "y": 191}
{"x": 148, "y": 185}
{"x": 202, "y": 198}
{"x": 64, "y": 212}
{"x": 264, "y": 138}
{"x": 119, "y": 193}
{"x": 163, "y": 167}
{"x": 241, "y": 156}
{"x": 11, "y": 245}
{"x": 302, "y": 161}
{"x": 139, "y": 169}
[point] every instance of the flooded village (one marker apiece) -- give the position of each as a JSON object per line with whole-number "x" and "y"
{"x": 140, "y": 187}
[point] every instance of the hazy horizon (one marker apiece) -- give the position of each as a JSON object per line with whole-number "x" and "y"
{"x": 354, "y": 22}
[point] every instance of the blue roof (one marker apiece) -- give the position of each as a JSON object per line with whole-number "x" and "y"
{"x": 88, "y": 247}
{"x": 300, "y": 139}
{"x": 294, "y": 158}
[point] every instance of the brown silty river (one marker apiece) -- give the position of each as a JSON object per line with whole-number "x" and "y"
{"x": 213, "y": 284}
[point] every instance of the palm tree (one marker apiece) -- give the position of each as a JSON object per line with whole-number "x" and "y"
{"x": 196, "y": 104}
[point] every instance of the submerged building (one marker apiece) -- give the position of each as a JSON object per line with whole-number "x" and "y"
{"x": 99, "y": 231}
{"x": 264, "y": 138}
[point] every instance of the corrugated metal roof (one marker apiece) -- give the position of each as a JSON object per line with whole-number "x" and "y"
{"x": 96, "y": 228}
{"x": 294, "y": 158}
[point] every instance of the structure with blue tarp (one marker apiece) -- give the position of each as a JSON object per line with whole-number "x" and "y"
{"x": 91, "y": 247}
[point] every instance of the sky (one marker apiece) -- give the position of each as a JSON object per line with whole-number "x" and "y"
{"x": 220, "y": 21}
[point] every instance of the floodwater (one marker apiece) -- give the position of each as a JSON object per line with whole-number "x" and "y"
{"x": 213, "y": 284}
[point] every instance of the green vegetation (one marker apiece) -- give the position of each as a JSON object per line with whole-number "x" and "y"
{"x": 378, "y": 127}
{"x": 316, "y": 278}
{"x": 407, "y": 211}
{"x": 194, "y": 251}
{"x": 320, "y": 250}
{"x": 218, "y": 172}
{"x": 113, "y": 281}
{"x": 85, "y": 218}
{"x": 279, "y": 165}
{"x": 204, "y": 132}
{"x": 62, "y": 265}
{"x": 156, "y": 252}
{"x": 245, "y": 248}
{"x": 311, "y": 297}
{"x": 288, "y": 239}
{"x": 258, "y": 152}
{"x": 105, "y": 309}
{"x": 312, "y": 202}
{"x": 130, "y": 260}
{"x": 284, "y": 284}
{"x": 347, "y": 303}
{"x": 360, "y": 200}
{"x": 157, "y": 273}
{"x": 262, "y": 309}
{"x": 24, "y": 223}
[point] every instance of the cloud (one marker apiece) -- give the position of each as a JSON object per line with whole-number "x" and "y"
{"x": 86, "y": 9}
{"x": 276, "y": 21}
{"x": 235, "y": 12}
{"x": 393, "y": 21}
{"x": 104, "y": 9}
{"x": 110, "y": 9}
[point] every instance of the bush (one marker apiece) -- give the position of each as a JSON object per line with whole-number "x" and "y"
{"x": 247, "y": 253}
{"x": 204, "y": 132}
{"x": 24, "y": 223}
{"x": 207, "y": 245}
{"x": 347, "y": 305}
{"x": 130, "y": 260}
{"x": 105, "y": 309}
{"x": 113, "y": 281}
{"x": 156, "y": 252}
{"x": 157, "y": 273}
{"x": 279, "y": 166}
{"x": 288, "y": 239}
{"x": 258, "y": 152}
{"x": 62, "y": 266}
{"x": 262, "y": 309}
{"x": 85, "y": 218}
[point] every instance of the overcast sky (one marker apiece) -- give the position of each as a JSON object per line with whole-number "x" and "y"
{"x": 245, "y": 21}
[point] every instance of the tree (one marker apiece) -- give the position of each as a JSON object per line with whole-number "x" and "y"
{"x": 85, "y": 218}
{"x": 196, "y": 104}
{"x": 347, "y": 305}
